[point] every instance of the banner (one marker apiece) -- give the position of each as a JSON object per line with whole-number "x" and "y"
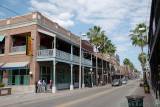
{"x": 29, "y": 49}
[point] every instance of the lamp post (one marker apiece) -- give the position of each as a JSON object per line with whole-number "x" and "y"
{"x": 91, "y": 76}
{"x": 110, "y": 72}
{"x": 80, "y": 62}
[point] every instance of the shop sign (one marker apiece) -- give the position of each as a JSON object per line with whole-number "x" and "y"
{"x": 29, "y": 49}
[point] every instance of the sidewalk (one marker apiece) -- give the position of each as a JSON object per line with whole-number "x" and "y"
{"x": 33, "y": 97}
{"x": 148, "y": 99}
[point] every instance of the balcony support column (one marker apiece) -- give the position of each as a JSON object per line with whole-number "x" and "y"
{"x": 54, "y": 69}
{"x": 54, "y": 77}
{"x": 80, "y": 63}
{"x": 71, "y": 85}
{"x": 96, "y": 71}
{"x": 83, "y": 85}
{"x": 102, "y": 78}
{"x": 91, "y": 71}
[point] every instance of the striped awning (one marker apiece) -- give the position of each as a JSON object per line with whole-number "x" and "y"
{"x": 1, "y": 64}
{"x": 15, "y": 65}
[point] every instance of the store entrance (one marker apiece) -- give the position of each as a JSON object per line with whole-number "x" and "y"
{"x": 45, "y": 73}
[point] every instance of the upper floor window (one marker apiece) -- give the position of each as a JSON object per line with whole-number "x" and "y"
{"x": 2, "y": 44}
{"x": 19, "y": 42}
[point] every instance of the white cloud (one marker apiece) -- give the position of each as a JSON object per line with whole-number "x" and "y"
{"x": 123, "y": 47}
{"x": 122, "y": 38}
{"x": 112, "y": 15}
{"x": 106, "y": 13}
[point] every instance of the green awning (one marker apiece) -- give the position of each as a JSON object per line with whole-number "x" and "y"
{"x": 1, "y": 38}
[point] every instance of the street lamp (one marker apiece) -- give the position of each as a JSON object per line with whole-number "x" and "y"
{"x": 142, "y": 29}
{"x": 91, "y": 76}
{"x": 110, "y": 72}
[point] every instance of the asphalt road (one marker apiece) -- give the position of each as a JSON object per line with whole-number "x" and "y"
{"x": 97, "y": 97}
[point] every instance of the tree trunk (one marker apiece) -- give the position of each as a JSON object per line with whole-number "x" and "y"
{"x": 142, "y": 49}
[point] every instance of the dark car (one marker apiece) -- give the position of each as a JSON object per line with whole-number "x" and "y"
{"x": 116, "y": 82}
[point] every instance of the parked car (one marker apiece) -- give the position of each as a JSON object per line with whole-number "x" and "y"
{"x": 124, "y": 81}
{"x": 116, "y": 82}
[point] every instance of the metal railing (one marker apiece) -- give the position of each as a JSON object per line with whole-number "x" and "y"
{"x": 45, "y": 53}
{"x": 18, "y": 48}
{"x": 86, "y": 61}
{"x": 63, "y": 55}
{"x": 48, "y": 53}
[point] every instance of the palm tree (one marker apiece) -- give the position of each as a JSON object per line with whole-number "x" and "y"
{"x": 111, "y": 48}
{"x": 99, "y": 40}
{"x": 95, "y": 36}
{"x": 138, "y": 36}
{"x": 127, "y": 62}
{"x": 143, "y": 59}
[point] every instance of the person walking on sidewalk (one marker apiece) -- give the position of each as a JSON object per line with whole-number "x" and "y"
{"x": 36, "y": 87}
{"x": 44, "y": 86}
{"x": 39, "y": 86}
{"x": 50, "y": 84}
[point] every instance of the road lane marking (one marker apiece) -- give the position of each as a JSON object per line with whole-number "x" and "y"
{"x": 89, "y": 97}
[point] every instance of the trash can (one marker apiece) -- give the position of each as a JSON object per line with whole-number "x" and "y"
{"x": 135, "y": 101}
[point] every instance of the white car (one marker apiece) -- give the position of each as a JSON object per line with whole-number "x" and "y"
{"x": 124, "y": 81}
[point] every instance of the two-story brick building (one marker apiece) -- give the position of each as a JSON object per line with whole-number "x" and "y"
{"x": 34, "y": 48}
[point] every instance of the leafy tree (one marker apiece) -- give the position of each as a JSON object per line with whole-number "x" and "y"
{"x": 127, "y": 62}
{"x": 138, "y": 36}
{"x": 95, "y": 36}
{"x": 143, "y": 59}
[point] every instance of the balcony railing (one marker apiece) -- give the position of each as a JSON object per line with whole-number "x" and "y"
{"x": 49, "y": 53}
{"x": 75, "y": 59}
{"x": 45, "y": 53}
{"x": 63, "y": 55}
{"x": 86, "y": 61}
{"x": 18, "y": 48}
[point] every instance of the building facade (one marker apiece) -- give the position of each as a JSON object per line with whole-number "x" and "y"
{"x": 154, "y": 43}
{"x": 34, "y": 48}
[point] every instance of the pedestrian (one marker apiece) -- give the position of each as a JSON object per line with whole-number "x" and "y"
{"x": 36, "y": 87}
{"x": 39, "y": 86}
{"x": 50, "y": 84}
{"x": 44, "y": 85}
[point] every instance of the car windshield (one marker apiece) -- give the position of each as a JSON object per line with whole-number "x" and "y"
{"x": 115, "y": 80}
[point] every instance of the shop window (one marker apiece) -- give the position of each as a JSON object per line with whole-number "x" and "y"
{"x": 18, "y": 77}
{"x": 2, "y": 45}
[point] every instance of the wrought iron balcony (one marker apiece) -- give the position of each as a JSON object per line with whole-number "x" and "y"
{"x": 49, "y": 53}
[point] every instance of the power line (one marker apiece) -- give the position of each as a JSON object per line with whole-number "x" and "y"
{"x": 8, "y": 9}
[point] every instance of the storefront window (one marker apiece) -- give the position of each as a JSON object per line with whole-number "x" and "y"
{"x": 18, "y": 77}
{"x": 1, "y": 75}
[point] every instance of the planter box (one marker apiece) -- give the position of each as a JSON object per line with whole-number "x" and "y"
{"x": 5, "y": 91}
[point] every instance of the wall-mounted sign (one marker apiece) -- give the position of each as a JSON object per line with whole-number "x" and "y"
{"x": 29, "y": 49}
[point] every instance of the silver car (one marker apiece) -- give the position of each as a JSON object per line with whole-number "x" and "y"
{"x": 116, "y": 82}
{"x": 124, "y": 81}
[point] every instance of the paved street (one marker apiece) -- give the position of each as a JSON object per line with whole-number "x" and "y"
{"x": 105, "y": 96}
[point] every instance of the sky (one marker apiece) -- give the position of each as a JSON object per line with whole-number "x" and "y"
{"x": 116, "y": 17}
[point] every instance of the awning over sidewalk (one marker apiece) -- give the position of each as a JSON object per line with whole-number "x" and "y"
{"x": 15, "y": 65}
{"x": 1, "y": 64}
{"x": 1, "y": 37}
